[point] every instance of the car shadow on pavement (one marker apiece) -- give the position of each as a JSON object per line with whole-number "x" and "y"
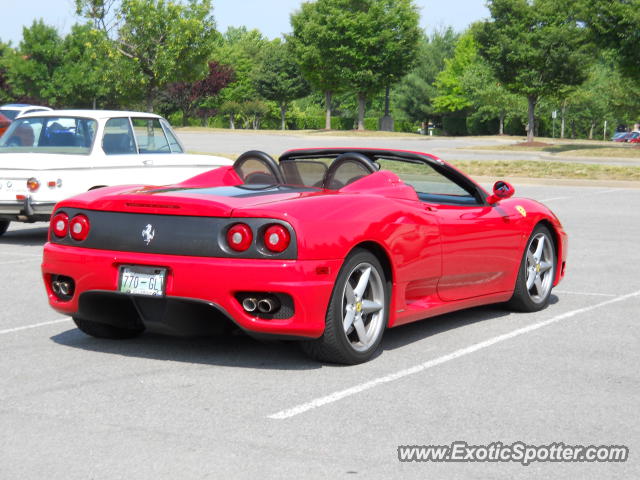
{"x": 240, "y": 350}
{"x": 413, "y": 332}
{"x": 25, "y": 237}
{"x": 229, "y": 350}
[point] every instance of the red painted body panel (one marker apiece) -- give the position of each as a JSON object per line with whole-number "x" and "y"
{"x": 441, "y": 258}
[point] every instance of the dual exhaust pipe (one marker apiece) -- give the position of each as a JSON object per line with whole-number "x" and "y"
{"x": 262, "y": 305}
{"x": 62, "y": 287}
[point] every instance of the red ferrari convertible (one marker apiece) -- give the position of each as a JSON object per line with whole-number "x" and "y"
{"x": 327, "y": 246}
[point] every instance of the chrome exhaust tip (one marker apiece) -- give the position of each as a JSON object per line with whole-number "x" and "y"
{"x": 267, "y": 305}
{"x": 249, "y": 304}
{"x": 64, "y": 288}
{"x": 55, "y": 286}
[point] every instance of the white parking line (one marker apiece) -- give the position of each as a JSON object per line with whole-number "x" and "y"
{"x": 609, "y": 190}
{"x": 592, "y": 294}
{"x": 545, "y": 200}
{"x": 339, "y": 395}
{"x": 34, "y": 325}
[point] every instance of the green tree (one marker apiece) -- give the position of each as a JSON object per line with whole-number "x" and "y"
{"x": 356, "y": 45}
{"x": 416, "y": 91}
{"x": 315, "y": 44}
{"x": 165, "y": 42}
{"x": 240, "y": 49}
{"x": 489, "y": 97}
{"x": 535, "y": 48}
{"x": 84, "y": 77}
{"x": 231, "y": 108}
{"x": 253, "y": 111}
{"x": 614, "y": 24}
{"x": 5, "y": 89}
{"x": 278, "y": 77}
{"x": 30, "y": 68}
{"x": 451, "y": 92}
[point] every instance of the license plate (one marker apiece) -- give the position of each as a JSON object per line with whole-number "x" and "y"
{"x": 142, "y": 280}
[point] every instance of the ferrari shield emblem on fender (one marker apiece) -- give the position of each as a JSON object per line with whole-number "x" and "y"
{"x": 521, "y": 210}
{"x": 148, "y": 233}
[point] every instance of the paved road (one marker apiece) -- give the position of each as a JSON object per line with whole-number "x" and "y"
{"x": 75, "y": 407}
{"x": 449, "y": 149}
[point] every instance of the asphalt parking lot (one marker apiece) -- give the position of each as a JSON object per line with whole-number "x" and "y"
{"x": 155, "y": 407}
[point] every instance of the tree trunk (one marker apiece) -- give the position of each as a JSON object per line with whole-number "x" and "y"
{"x": 185, "y": 116}
{"x": 94, "y": 103}
{"x": 593, "y": 125}
{"x": 564, "y": 107}
{"x": 283, "y": 114}
{"x": 501, "y": 125}
{"x": 327, "y": 101}
{"x": 532, "y": 99}
{"x": 362, "y": 101}
{"x": 386, "y": 101}
{"x": 232, "y": 123}
{"x": 149, "y": 102}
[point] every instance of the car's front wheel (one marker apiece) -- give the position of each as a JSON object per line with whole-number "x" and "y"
{"x": 536, "y": 274}
{"x": 103, "y": 330}
{"x": 357, "y": 314}
{"x": 4, "y": 225}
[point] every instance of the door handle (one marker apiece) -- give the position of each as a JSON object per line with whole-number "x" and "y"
{"x": 147, "y": 162}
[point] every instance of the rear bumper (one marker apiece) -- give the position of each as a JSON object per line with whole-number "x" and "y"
{"x": 206, "y": 284}
{"x": 26, "y": 210}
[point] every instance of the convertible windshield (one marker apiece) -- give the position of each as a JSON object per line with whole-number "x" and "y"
{"x": 68, "y": 135}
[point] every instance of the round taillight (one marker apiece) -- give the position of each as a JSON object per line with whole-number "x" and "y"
{"x": 60, "y": 224}
{"x": 33, "y": 184}
{"x": 276, "y": 238}
{"x": 79, "y": 227}
{"x": 239, "y": 237}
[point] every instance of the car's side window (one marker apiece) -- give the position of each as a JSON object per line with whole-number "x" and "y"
{"x": 118, "y": 137}
{"x": 150, "y": 136}
{"x": 173, "y": 141}
{"x": 430, "y": 185}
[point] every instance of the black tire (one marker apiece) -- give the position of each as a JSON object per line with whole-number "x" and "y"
{"x": 4, "y": 225}
{"x": 523, "y": 299}
{"x": 103, "y": 330}
{"x": 338, "y": 346}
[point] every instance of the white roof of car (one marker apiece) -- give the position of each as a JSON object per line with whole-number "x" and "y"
{"x": 21, "y": 106}
{"x": 96, "y": 114}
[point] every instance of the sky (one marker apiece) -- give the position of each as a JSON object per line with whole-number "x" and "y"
{"x": 271, "y": 17}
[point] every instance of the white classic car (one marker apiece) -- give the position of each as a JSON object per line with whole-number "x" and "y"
{"x": 48, "y": 156}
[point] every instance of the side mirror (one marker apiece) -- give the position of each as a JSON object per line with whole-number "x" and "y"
{"x": 501, "y": 190}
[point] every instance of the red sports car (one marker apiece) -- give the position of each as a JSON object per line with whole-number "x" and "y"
{"x": 328, "y": 246}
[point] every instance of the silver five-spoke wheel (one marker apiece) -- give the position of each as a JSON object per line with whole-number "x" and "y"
{"x": 357, "y": 313}
{"x": 537, "y": 271}
{"x": 539, "y": 267}
{"x": 363, "y": 306}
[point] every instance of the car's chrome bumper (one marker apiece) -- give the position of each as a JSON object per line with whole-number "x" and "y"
{"x": 26, "y": 210}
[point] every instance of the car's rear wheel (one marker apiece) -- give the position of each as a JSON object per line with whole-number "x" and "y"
{"x": 103, "y": 330}
{"x": 536, "y": 274}
{"x": 357, "y": 314}
{"x": 4, "y": 225}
